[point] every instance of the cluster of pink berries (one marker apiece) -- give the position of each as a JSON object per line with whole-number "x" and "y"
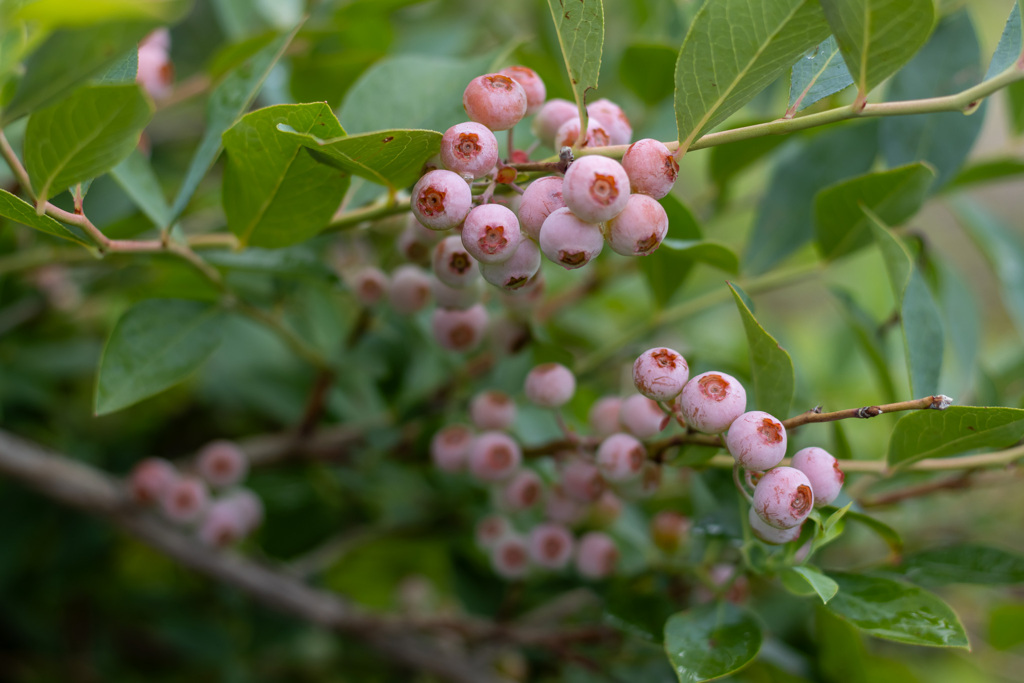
{"x": 185, "y": 498}
{"x": 156, "y": 73}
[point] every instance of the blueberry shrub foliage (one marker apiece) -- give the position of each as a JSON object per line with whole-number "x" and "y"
{"x": 552, "y": 340}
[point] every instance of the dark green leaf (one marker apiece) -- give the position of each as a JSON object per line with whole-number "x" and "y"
{"x": 136, "y": 178}
{"x": 896, "y": 611}
{"x": 825, "y": 587}
{"x": 987, "y": 172}
{"x": 771, "y": 365}
{"x": 1011, "y": 43}
{"x": 666, "y": 269}
{"x": 711, "y": 641}
{"x": 965, "y": 563}
{"x": 22, "y": 212}
{"x": 818, "y": 75}
{"x": 579, "y": 25}
{"x": 943, "y": 433}
{"x": 647, "y": 69}
{"x": 155, "y": 345}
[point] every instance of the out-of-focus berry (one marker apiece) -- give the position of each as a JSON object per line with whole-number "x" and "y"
{"x": 149, "y": 479}
{"x": 550, "y": 545}
{"x": 532, "y": 84}
{"x": 596, "y": 555}
{"x": 621, "y": 457}
{"x": 550, "y": 117}
{"x": 595, "y": 188}
{"x": 495, "y": 100}
{"x": 492, "y": 410}
{"x": 249, "y": 508}
{"x": 461, "y": 298}
{"x": 651, "y": 168}
{"x": 416, "y": 241}
{"x": 668, "y": 528}
{"x": 459, "y": 329}
{"x": 469, "y": 149}
{"x": 642, "y": 417}
{"x": 757, "y": 440}
{"x": 409, "y": 289}
{"x": 562, "y": 508}
{"x": 449, "y": 447}
{"x": 453, "y": 264}
{"x": 604, "y": 416}
{"x": 222, "y": 463}
{"x": 613, "y": 119}
{"x": 523, "y": 491}
{"x": 711, "y": 401}
{"x": 222, "y": 525}
{"x": 494, "y": 456}
{"x": 550, "y": 385}
{"x": 606, "y": 509}
{"x": 185, "y": 500}
{"x": 569, "y": 241}
{"x": 660, "y": 373}
{"x": 510, "y": 557}
{"x": 370, "y": 285}
{"x": 490, "y": 529}
{"x": 569, "y": 132}
{"x": 155, "y": 71}
{"x": 639, "y": 229}
{"x": 822, "y": 470}
{"x": 783, "y": 498}
{"x": 441, "y": 199}
{"x": 582, "y": 481}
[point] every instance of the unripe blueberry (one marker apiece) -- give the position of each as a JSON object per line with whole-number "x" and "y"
{"x": 510, "y": 557}
{"x": 491, "y": 233}
{"x": 222, "y": 463}
{"x": 569, "y": 241}
{"x": 621, "y": 457}
{"x": 770, "y": 534}
{"x": 582, "y": 481}
{"x": 495, "y": 100}
{"x": 651, "y": 168}
{"x": 613, "y": 119}
{"x": 459, "y": 330}
{"x": 540, "y": 198}
{"x": 490, "y": 529}
{"x": 409, "y": 289}
{"x": 441, "y": 199}
{"x": 550, "y": 118}
{"x": 532, "y": 84}
{"x": 560, "y": 507}
{"x": 783, "y": 498}
{"x": 370, "y": 285}
{"x": 596, "y": 555}
{"x": 449, "y": 447}
{"x": 149, "y": 479}
{"x": 711, "y": 401}
{"x": 606, "y": 509}
{"x": 642, "y": 417}
{"x": 757, "y": 440}
{"x": 453, "y": 264}
{"x": 595, "y": 188}
{"x": 461, "y": 298}
{"x": 523, "y": 491}
{"x": 222, "y": 525}
{"x": 155, "y": 72}
{"x": 551, "y": 545}
{"x": 159, "y": 38}
{"x": 550, "y": 385}
{"x": 249, "y": 508}
{"x": 185, "y": 500}
{"x": 569, "y": 132}
{"x": 639, "y": 229}
{"x": 822, "y": 470}
{"x": 668, "y": 528}
{"x": 492, "y": 410}
{"x": 604, "y": 416}
{"x": 469, "y": 149}
{"x": 515, "y": 272}
{"x": 660, "y": 373}
{"x": 494, "y": 456}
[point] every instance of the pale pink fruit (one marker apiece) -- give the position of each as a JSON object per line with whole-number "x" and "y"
{"x": 668, "y": 528}
{"x": 469, "y": 149}
{"x": 651, "y": 168}
{"x": 409, "y": 289}
{"x": 606, "y": 509}
{"x": 550, "y": 118}
{"x": 155, "y": 71}
{"x": 370, "y": 285}
{"x": 494, "y": 456}
{"x": 490, "y": 529}
{"x": 582, "y": 481}
{"x": 550, "y": 385}
{"x": 532, "y": 84}
{"x": 453, "y": 264}
{"x": 185, "y": 500}
{"x": 495, "y": 100}
{"x": 222, "y": 463}
{"x": 523, "y": 491}
{"x": 541, "y": 197}
{"x": 510, "y": 557}
{"x": 159, "y": 38}
{"x": 550, "y": 545}
{"x": 639, "y": 229}
{"x": 822, "y": 470}
{"x": 457, "y": 329}
{"x": 621, "y": 457}
{"x": 613, "y": 119}
{"x": 149, "y": 479}
{"x": 491, "y": 233}
{"x": 569, "y": 132}
{"x": 595, "y": 188}
{"x": 783, "y": 497}
{"x": 642, "y": 417}
{"x": 757, "y": 440}
{"x": 770, "y": 534}
{"x": 660, "y": 373}
{"x": 449, "y": 447}
{"x": 441, "y": 199}
{"x": 604, "y": 416}
{"x": 569, "y": 241}
{"x": 248, "y": 506}
{"x": 515, "y": 272}
{"x": 562, "y": 508}
{"x": 461, "y": 298}
{"x": 416, "y": 241}
{"x": 596, "y": 555}
{"x": 711, "y": 401}
{"x": 222, "y": 525}
{"x": 492, "y": 409}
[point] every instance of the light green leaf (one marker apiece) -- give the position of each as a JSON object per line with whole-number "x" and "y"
{"x": 825, "y": 587}
{"x": 648, "y": 70}
{"x": 898, "y": 611}
{"x": 944, "y": 433}
{"x": 883, "y": 530}
{"x": 733, "y": 50}
{"x": 390, "y": 157}
{"x": 818, "y": 75}
{"x": 704, "y": 251}
{"x": 711, "y": 641}
{"x": 22, "y": 212}
{"x": 965, "y": 563}
{"x": 579, "y": 25}
{"x": 136, "y": 178}
{"x": 894, "y": 196}
{"x": 17, "y": 41}
{"x": 771, "y": 365}
{"x": 877, "y": 37}
{"x": 666, "y": 269}
{"x": 155, "y": 345}
{"x": 1011, "y": 44}
{"x": 84, "y": 135}
{"x": 93, "y": 12}
{"x": 275, "y": 193}
{"x": 993, "y": 170}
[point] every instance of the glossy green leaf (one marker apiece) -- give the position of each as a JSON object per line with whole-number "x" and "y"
{"x": 771, "y": 366}
{"x": 866, "y": 332}
{"x": 136, "y": 177}
{"x": 22, "y": 212}
{"x": 885, "y": 532}
{"x": 710, "y": 641}
{"x": 894, "y": 196}
{"x": 785, "y": 217}
{"x": 991, "y": 171}
{"x": 1011, "y": 44}
{"x": 275, "y": 192}
{"x": 819, "y": 583}
{"x": 666, "y": 269}
{"x": 87, "y": 14}
{"x": 648, "y": 69}
{"x": 227, "y": 103}
{"x": 965, "y": 563}
{"x": 155, "y": 345}
{"x": 84, "y": 135}
{"x": 898, "y": 611}
{"x": 949, "y": 63}
{"x": 817, "y": 75}
{"x": 390, "y": 157}
{"x": 877, "y": 37}
{"x": 734, "y": 50}
{"x": 955, "y": 430}
{"x": 579, "y": 25}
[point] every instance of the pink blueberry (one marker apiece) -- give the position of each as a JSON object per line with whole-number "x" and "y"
{"x": 459, "y": 329}
{"x": 642, "y": 417}
{"x": 495, "y": 100}
{"x": 370, "y": 285}
{"x": 822, "y": 470}
{"x": 540, "y": 198}
{"x": 155, "y": 71}
{"x": 462, "y": 298}
{"x": 596, "y": 555}
{"x": 660, "y": 373}
{"x": 783, "y": 497}
{"x": 510, "y": 557}
{"x": 621, "y": 457}
{"x": 639, "y": 229}
{"x": 582, "y": 481}
{"x": 668, "y": 528}
{"x": 550, "y": 117}
{"x": 532, "y": 84}
{"x": 416, "y": 241}
{"x": 770, "y": 534}
{"x": 222, "y": 525}
{"x": 185, "y": 500}
{"x": 469, "y": 149}
{"x": 569, "y": 241}
{"x": 562, "y": 508}
{"x": 550, "y": 385}
{"x": 711, "y": 401}
{"x": 595, "y": 188}
{"x": 222, "y": 463}
{"x": 409, "y": 289}
{"x": 449, "y": 447}
{"x": 494, "y": 456}
{"x": 569, "y": 133}
{"x": 550, "y": 545}
{"x": 490, "y": 529}
{"x": 492, "y": 409}
{"x": 613, "y": 119}
{"x": 651, "y": 167}
{"x": 523, "y": 491}
{"x": 149, "y": 479}
{"x": 491, "y": 233}
{"x": 441, "y": 199}
{"x": 249, "y": 508}
{"x": 603, "y": 417}
{"x": 515, "y": 272}
{"x": 453, "y": 264}
{"x": 757, "y": 440}
{"x": 606, "y": 509}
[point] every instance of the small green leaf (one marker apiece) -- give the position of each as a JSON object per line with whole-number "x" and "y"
{"x": 155, "y": 345}
{"x": 734, "y": 50}
{"x": 894, "y": 196}
{"x": 84, "y": 135}
{"x": 275, "y": 192}
{"x": 818, "y": 75}
{"x": 666, "y": 269}
{"x": 135, "y": 176}
{"x": 88, "y": 14}
{"x": 22, "y": 212}
{"x": 944, "y": 433}
{"x": 898, "y": 611}
{"x": 711, "y": 641}
{"x": 1011, "y": 44}
{"x": 771, "y": 365}
{"x": 986, "y": 172}
{"x": 647, "y": 69}
{"x": 580, "y": 28}
{"x": 965, "y": 563}
{"x": 825, "y": 587}
{"x": 877, "y": 37}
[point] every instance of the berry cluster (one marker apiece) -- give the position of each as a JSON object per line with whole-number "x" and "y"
{"x": 185, "y": 498}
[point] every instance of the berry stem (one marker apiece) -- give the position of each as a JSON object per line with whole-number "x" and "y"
{"x": 736, "y": 479}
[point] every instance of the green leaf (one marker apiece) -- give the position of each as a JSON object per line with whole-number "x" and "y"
{"x": 883, "y": 530}
{"x": 866, "y": 332}
{"x": 898, "y": 611}
{"x": 825, "y": 587}
{"x": 135, "y": 176}
{"x": 88, "y": 14}
{"x": 894, "y": 196}
{"x": 1015, "y": 105}
{"x": 818, "y": 75}
{"x": 949, "y": 63}
{"x": 960, "y": 313}
{"x": 771, "y": 365}
{"x": 227, "y": 103}
{"x": 125, "y": 70}
{"x": 986, "y": 172}
{"x": 965, "y": 563}
{"x": 877, "y": 37}
{"x": 785, "y": 218}
{"x": 295, "y": 262}
{"x": 734, "y": 50}
{"x": 1011, "y": 44}
{"x": 711, "y": 641}
{"x": 580, "y": 28}
{"x": 155, "y": 345}
{"x": 22, "y": 212}
{"x": 390, "y": 157}
{"x": 666, "y": 269}
{"x": 648, "y": 69}
{"x": 84, "y": 135}
{"x": 944, "y": 433}
{"x": 275, "y": 192}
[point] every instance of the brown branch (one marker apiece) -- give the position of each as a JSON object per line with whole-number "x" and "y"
{"x": 939, "y": 402}
{"x": 958, "y": 481}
